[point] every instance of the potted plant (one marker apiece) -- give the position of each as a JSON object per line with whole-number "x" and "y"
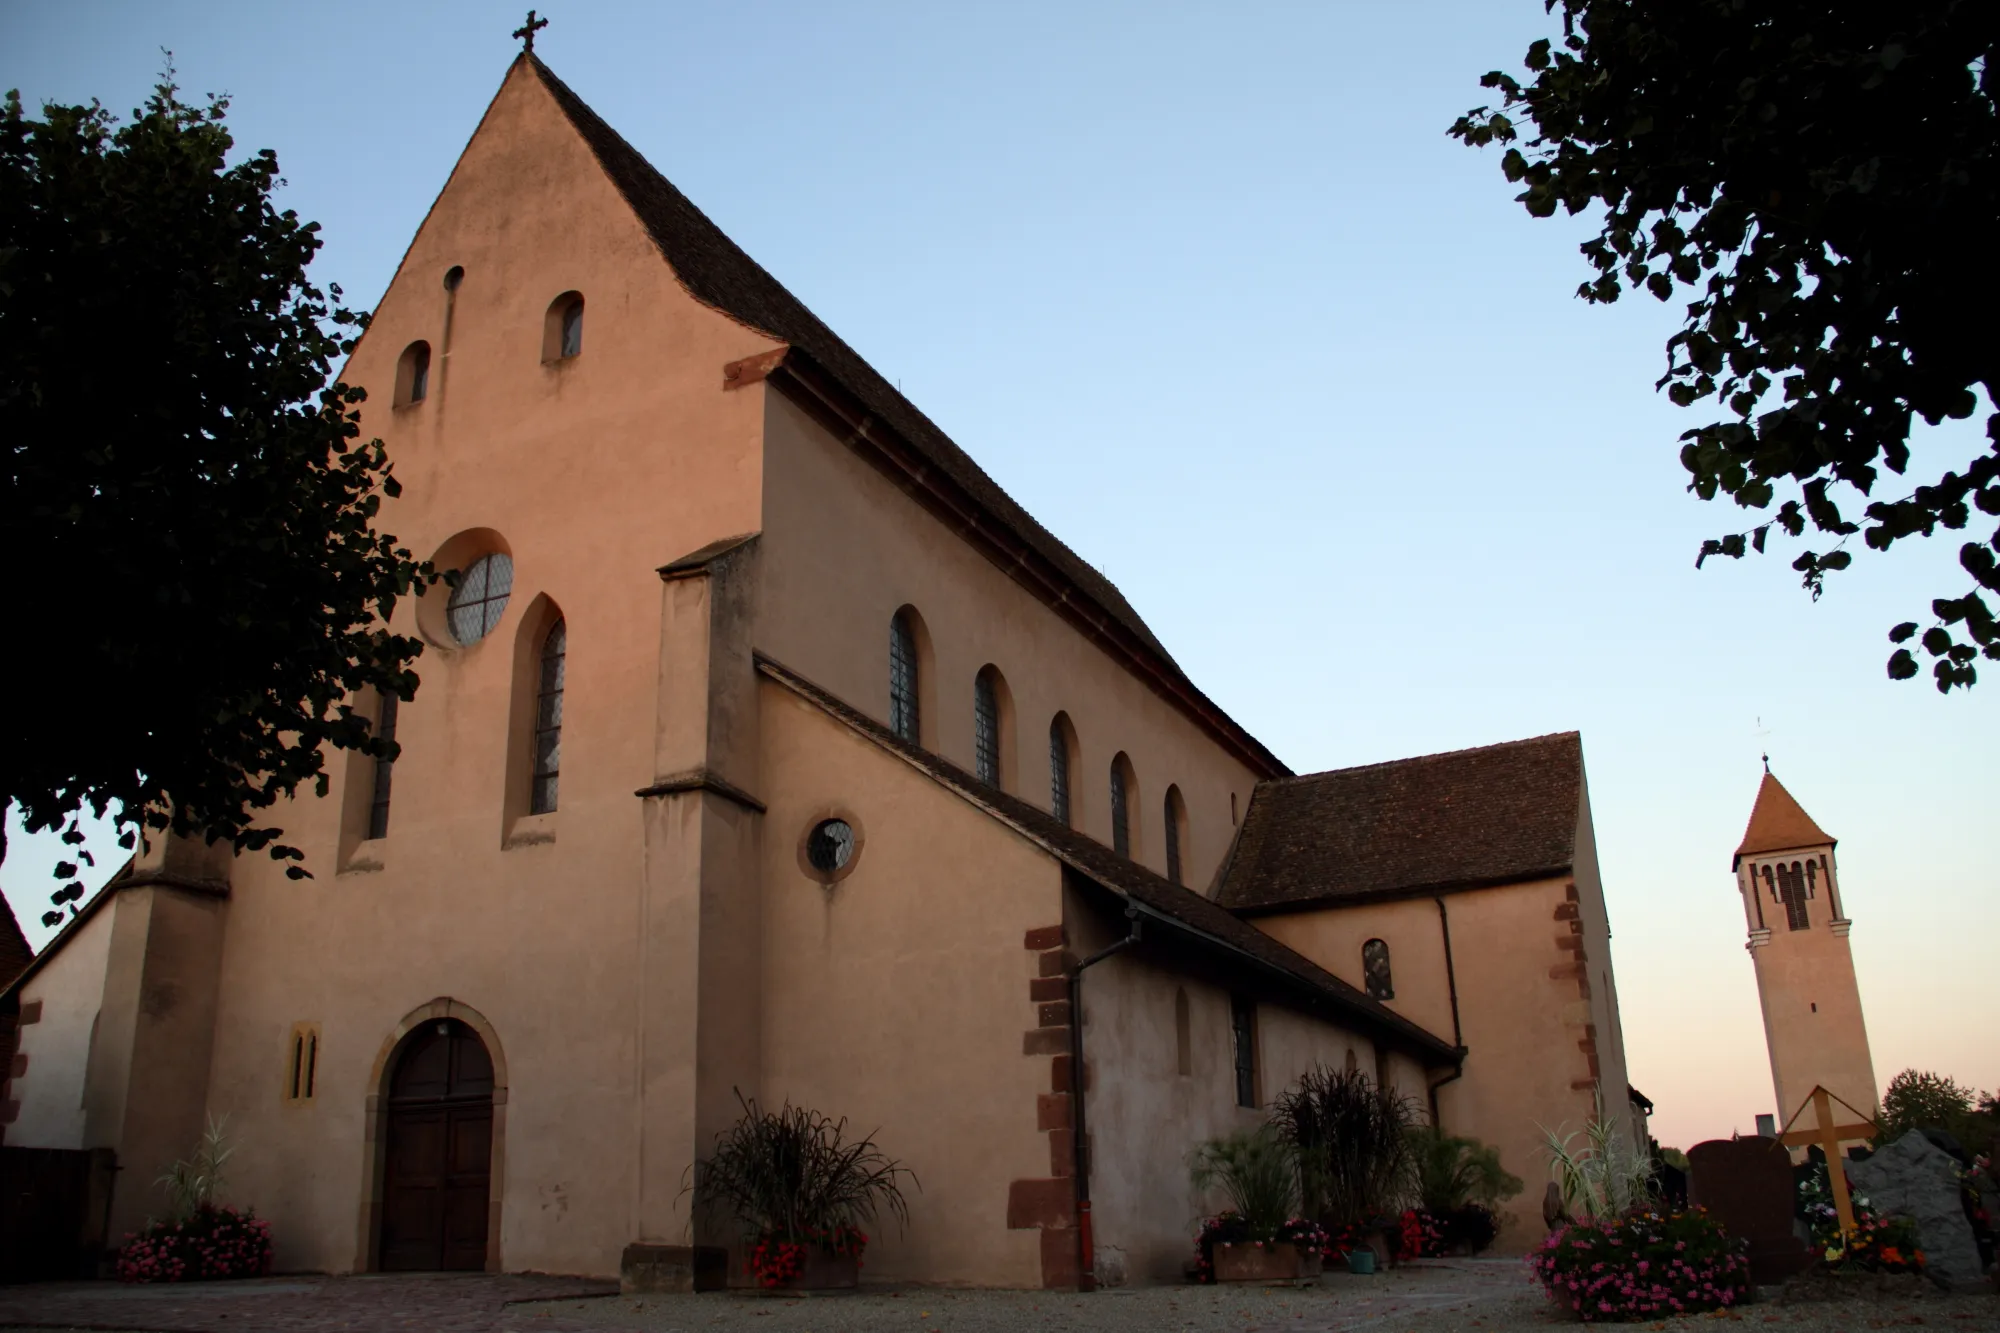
{"x": 804, "y": 1193}
{"x": 1351, "y": 1142}
{"x": 1261, "y": 1237}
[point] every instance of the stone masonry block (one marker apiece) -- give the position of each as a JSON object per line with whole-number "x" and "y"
{"x": 1059, "y": 1258}
{"x": 1048, "y": 988}
{"x": 1044, "y": 937}
{"x": 1041, "y": 1203}
{"x": 1052, "y": 1110}
{"x": 1057, "y": 962}
{"x": 1054, "y": 1014}
{"x": 1062, "y": 1152}
{"x": 1045, "y": 1041}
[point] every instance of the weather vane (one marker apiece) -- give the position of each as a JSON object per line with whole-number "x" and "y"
{"x": 1764, "y": 743}
{"x": 526, "y": 32}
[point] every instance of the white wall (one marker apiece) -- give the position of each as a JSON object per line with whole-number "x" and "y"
{"x": 69, "y": 987}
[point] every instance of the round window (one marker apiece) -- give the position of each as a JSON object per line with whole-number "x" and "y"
{"x": 480, "y": 598}
{"x": 830, "y": 846}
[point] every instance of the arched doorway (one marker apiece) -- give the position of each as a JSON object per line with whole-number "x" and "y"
{"x": 437, "y": 1161}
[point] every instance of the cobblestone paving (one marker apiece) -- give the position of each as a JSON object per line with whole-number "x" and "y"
{"x": 1451, "y": 1296}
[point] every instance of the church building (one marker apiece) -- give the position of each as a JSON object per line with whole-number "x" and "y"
{"x": 766, "y": 746}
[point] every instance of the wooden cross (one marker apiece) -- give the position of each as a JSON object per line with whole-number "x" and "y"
{"x": 526, "y": 32}
{"x": 1829, "y": 1137}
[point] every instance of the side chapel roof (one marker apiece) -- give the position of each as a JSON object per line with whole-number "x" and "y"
{"x": 717, "y": 272}
{"x": 1778, "y": 823}
{"x": 1180, "y": 907}
{"x": 15, "y": 955}
{"x": 1494, "y": 815}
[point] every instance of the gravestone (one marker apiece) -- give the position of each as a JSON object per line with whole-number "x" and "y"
{"x": 1918, "y": 1179}
{"x": 1746, "y": 1185}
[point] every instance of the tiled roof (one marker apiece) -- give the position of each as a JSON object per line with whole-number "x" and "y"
{"x": 1494, "y": 815}
{"x": 1778, "y": 823}
{"x": 717, "y": 272}
{"x": 1162, "y": 898}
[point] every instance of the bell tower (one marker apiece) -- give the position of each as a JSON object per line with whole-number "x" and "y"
{"x": 1798, "y": 943}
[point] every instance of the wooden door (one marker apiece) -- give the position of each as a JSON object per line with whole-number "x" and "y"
{"x": 438, "y": 1162}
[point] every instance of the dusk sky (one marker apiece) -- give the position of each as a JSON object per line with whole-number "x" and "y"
{"x": 1209, "y": 291}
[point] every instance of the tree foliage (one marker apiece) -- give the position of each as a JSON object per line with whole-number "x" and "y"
{"x": 1920, "y": 1099}
{"x": 198, "y": 586}
{"x": 1822, "y": 178}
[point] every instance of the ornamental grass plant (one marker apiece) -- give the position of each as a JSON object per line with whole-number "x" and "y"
{"x": 200, "y": 1240}
{"x": 1352, "y": 1142}
{"x": 1643, "y": 1265}
{"x": 794, "y": 1180}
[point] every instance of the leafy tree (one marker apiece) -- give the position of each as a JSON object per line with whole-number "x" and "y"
{"x": 1822, "y": 177}
{"x": 197, "y": 586}
{"x": 1920, "y": 1099}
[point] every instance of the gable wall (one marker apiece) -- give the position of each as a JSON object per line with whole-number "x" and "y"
{"x": 844, "y": 548}
{"x": 69, "y": 989}
{"x": 594, "y": 472}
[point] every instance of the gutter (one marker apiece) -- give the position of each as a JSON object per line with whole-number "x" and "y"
{"x": 1457, "y": 1035}
{"x": 1086, "y": 1270}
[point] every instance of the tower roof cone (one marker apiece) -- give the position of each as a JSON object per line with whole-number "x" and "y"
{"x": 1778, "y": 823}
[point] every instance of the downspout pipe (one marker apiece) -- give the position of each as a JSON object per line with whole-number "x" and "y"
{"x": 1457, "y": 1036}
{"x": 1086, "y": 1272}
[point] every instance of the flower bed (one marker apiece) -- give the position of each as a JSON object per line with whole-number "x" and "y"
{"x": 1644, "y": 1265}
{"x": 1228, "y": 1228}
{"x": 208, "y": 1244}
{"x": 1878, "y": 1245}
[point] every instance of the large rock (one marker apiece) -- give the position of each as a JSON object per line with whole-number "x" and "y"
{"x": 1918, "y": 1179}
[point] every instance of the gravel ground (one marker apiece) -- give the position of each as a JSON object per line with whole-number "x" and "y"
{"x": 1450, "y": 1296}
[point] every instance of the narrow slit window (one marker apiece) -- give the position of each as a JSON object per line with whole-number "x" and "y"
{"x": 378, "y": 807}
{"x": 1058, "y": 770}
{"x": 548, "y": 721}
{"x": 986, "y": 729}
{"x": 1121, "y": 824}
{"x": 1183, "y": 1034}
{"x": 1243, "y": 1032}
{"x": 302, "y": 1063}
{"x": 1375, "y": 968}
{"x": 1170, "y": 826}
{"x": 903, "y": 678}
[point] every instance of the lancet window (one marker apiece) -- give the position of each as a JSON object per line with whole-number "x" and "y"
{"x": 548, "y": 721}
{"x": 1058, "y": 769}
{"x": 986, "y": 729}
{"x": 1170, "y": 825}
{"x": 903, "y": 678}
{"x": 1121, "y": 822}
{"x": 1243, "y": 1031}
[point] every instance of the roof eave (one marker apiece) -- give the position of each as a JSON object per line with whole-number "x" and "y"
{"x": 1400, "y": 892}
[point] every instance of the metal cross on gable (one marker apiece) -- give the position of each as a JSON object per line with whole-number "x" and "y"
{"x": 526, "y": 32}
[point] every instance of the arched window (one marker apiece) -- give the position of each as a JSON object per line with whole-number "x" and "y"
{"x": 413, "y": 374}
{"x": 1122, "y": 793}
{"x": 548, "y": 721}
{"x": 1792, "y": 892}
{"x": 480, "y": 598}
{"x": 378, "y": 806}
{"x": 992, "y": 723}
{"x": 1060, "y": 740}
{"x": 1173, "y": 822}
{"x": 562, "y": 328}
{"x": 1375, "y": 967}
{"x": 1183, "y": 1034}
{"x": 903, "y": 718}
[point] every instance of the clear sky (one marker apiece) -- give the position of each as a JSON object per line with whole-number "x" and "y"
{"x": 1210, "y": 292}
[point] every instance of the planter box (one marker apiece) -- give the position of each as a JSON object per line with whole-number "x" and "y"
{"x": 1281, "y": 1262}
{"x": 823, "y": 1272}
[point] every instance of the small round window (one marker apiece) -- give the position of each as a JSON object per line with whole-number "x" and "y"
{"x": 480, "y": 598}
{"x": 830, "y": 846}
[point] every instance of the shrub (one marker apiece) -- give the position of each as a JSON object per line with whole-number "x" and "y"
{"x": 1603, "y": 1176}
{"x": 1644, "y": 1265}
{"x": 1424, "y": 1233}
{"x": 1259, "y": 1173}
{"x": 209, "y": 1243}
{"x": 1351, "y": 1140}
{"x": 794, "y": 1180}
{"x": 1451, "y": 1172}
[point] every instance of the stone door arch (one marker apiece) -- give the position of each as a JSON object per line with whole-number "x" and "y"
{"x": 435, "y": 1144}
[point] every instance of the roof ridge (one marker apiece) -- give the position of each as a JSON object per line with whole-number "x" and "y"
{"x": 1425, "y": 758}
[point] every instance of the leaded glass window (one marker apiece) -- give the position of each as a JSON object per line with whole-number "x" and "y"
{"x": 986, "y": 730}
{"x": 378, "y": 807}
{"x": 1171, "y": 825}
{"x": 1058, "y": 771}
{"x": 480, "y": 598}
{"x": 1375, "y": 969}
{"x": 548, "y": 721}
{"x": 903, "y": 678}
{"x": 1121, "y": 826}
{"x": 1243, "y": 1029}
